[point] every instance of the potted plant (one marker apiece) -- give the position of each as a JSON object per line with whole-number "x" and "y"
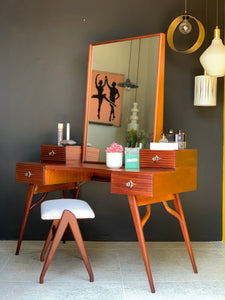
{"x": 137, "y": 139}
{"x": 142, "y": 138}
{"x": 132, "y": 138}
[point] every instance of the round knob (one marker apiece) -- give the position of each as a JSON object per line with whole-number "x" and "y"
{"x": 130, "y": 184}
{"x": 51, "y": 153}
{"x": 156, "y": 158}
{"x": 28, "y": 174}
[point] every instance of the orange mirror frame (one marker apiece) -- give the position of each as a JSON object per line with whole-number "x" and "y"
{"x": 91, "y": 153}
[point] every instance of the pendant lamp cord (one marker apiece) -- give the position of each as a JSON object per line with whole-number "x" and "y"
{"x": 217, "y": 13}
{"x": 185, "y": 6}
{"x": 129, "y": 59}
{"x": 139, "y": 49}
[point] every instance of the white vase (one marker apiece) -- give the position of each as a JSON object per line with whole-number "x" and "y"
{"x": 114, "y": 160}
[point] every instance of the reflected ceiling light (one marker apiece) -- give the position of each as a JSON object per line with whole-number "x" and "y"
{"x": 205, "y": 90}
{"x": 134, "y": 111}
{"x": 213, "y": 59}
{"x": 127, "y": 84}
{"x": 185, "y": 28}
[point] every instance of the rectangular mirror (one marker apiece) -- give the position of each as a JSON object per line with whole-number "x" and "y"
{"x": 125, "y": 90}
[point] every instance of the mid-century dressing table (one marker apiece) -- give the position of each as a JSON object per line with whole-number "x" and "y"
{"x": 162, "y": 174}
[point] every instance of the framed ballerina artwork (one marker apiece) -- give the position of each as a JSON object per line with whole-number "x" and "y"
{"x": 105, "y": 98}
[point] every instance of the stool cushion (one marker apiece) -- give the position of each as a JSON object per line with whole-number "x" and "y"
{"x": 53, "y": 209}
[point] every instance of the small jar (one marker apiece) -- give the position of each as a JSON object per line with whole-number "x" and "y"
{"x": 163, "y": 139}
{"x": 170, "y": 136}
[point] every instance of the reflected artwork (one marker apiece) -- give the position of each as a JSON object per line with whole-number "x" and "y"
{"x": 105, "y": 98}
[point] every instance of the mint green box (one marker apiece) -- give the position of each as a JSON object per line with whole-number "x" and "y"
{"x": 132, "y": 158}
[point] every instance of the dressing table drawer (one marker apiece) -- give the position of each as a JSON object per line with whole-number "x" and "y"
{"x": 60, "y": 153}
{"x": 30, "y": 173}
{"x": 157, "y": 159}
{"x": 132, "y": 183}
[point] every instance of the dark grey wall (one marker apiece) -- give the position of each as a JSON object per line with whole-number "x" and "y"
{"x": 43, "y": 64}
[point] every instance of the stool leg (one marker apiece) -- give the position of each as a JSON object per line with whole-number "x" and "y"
{"x": 63, "y": 222}
{"x": 75, "y": 196}
{"x": 80, "y": 243}
{"x": 50, "y": 236}
{"x": 65, "y": 235}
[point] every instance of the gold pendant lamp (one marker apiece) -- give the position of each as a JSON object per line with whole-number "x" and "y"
{"x": 185, "y": 28}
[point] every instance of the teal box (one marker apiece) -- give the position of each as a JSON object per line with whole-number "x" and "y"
{"x": 132, "y": 158}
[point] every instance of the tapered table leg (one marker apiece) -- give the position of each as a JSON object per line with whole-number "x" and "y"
{"x": 141, "y": 238}
{"x": 30, "y": 195}
{"x": 183, "y": 227}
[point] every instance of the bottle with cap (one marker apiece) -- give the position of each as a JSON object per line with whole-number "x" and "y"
{"x": 170, "y": 136}
{"x": 180, "y": 137}
{"x": 163, "y": 139}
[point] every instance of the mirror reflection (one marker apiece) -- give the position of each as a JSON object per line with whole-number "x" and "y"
{"x": 121, "y": 92}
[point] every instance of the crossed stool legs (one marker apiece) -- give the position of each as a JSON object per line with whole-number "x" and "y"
{"x": 64, "y": 213}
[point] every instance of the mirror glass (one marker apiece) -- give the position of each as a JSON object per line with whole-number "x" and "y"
{"x": 124, "y": 91}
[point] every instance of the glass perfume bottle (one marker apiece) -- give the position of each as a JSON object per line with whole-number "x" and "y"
{"x": 163, "y": 139}
{"x": 180, "y": 137}
{"x": 170, "y": 136}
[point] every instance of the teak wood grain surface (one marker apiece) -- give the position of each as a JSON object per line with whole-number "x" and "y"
{"x": 154, "y": 180}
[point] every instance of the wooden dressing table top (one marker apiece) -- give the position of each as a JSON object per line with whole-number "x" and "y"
{"x": 173, "y": 172}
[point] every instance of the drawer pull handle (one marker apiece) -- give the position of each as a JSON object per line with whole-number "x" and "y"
{"x": 156, "y": 158}
{"x": 51, "y": 153}
{"x": 130, "y": 184}
{"x": 28, "y": 174}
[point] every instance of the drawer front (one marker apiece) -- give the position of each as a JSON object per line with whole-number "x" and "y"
{"x": 53, "y": 153}
{"x": 29, "y": 173}
{"x": 157, "y": 159}
{"x": 132, "y": 184}
{"x": 92, "y": 154}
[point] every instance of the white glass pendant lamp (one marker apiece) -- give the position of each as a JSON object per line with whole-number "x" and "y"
{"x": 213, "y": 59}
{"x": 205, "y": 93}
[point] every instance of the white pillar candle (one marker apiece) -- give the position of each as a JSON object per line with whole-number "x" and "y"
{"x": 60, "y": 133}
{"x": 68, "y": 131}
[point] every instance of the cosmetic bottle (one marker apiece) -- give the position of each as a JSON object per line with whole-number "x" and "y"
{"x": 180, "y": 137}
{"x": 170, "y": 136}
{"x": 163, "y": 139}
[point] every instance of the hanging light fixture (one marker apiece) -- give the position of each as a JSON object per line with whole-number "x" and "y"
{"x": 127, "y": 84}
{"x": 205, "y": 90}
{"x": 185, "y": 28}
{"x": 134, "y": 111}
{"x": 213, "y": 59}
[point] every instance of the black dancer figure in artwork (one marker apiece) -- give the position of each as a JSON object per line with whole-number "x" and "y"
{"x": 100, "y": 96}
{"x": 114, "y": 95}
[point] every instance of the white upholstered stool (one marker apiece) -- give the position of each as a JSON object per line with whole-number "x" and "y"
{"x": 64, "y": 213}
